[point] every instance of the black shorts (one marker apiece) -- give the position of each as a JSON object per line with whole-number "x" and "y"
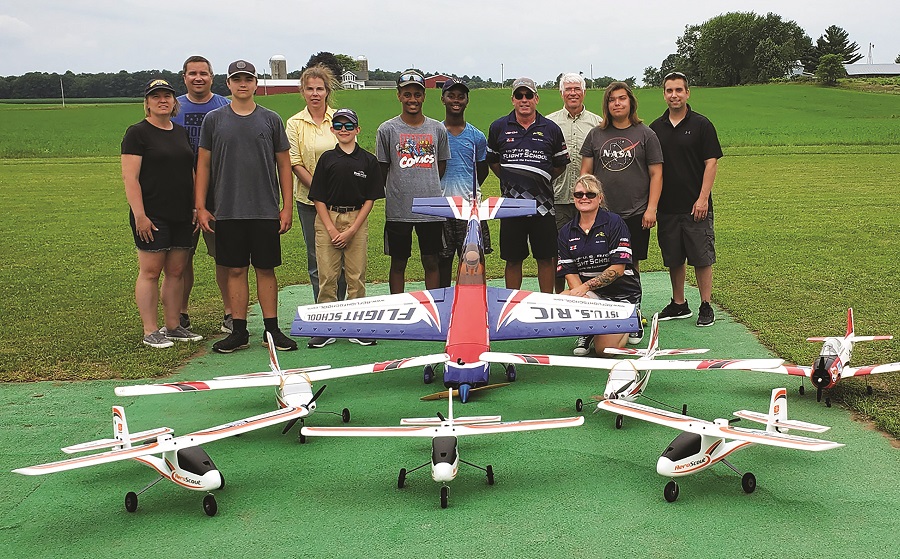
{"x": 398, "y": 238}
{"x": 640, "y": 237}
{"x": 169, "y": 235}
{"x": 455, "y": 236}
{"x": 241, "y": 242}
{"x": 681, "y": 238}
{"x": 516, "y": 232}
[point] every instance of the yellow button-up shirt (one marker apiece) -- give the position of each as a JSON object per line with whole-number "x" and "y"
{"x": 574, "y": 130}
{"x": 308, "y": 142}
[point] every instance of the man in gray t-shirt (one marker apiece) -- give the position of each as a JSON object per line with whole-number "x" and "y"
{"x": 244, "y": 153}
{"x": 413, "y": 151}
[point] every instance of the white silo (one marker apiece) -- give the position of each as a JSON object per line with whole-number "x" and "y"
{"x": 278, "y": 65}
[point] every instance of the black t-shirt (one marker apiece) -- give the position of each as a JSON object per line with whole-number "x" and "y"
{"x": 685, "y": 148}
{"x": 167, "y": 165}
{"x": 346, "y": 179}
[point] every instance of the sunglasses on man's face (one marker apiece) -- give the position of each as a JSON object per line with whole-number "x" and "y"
{"x": 589, "y": 195}
{"x": 348, "y": 126}
{"x": 526, "y": 94}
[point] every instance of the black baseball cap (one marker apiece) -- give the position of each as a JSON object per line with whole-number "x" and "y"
{"x": 241, "y": 67}
{"x": 453, "y": 82}
{"x": 156, "y": 84}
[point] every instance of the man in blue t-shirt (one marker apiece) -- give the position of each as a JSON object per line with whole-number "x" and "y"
{"x": 468, "y": 163}
{"x": 527, "y": 151}
{"x": 199, "y": 100}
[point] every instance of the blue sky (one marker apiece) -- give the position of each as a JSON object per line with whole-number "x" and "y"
{"x": 527, "y": 37}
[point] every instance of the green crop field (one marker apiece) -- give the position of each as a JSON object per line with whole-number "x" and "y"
{"x": 805, "y": 217}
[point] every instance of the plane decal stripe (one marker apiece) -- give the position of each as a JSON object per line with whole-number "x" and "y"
{"x": 188, "y": 386}
{"x": 424, "y": 299}
{"x": 509, "y": 306}
{"x": 121, "y": 454}
{"x": 534, "y": 359}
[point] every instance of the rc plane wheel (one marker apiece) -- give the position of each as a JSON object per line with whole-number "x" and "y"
{"x": 579, "y": 404}
{"x": 445, "y": 496}
{"x": 827, "y": 402}
{"x": 511, "y": 373}
{"x": 802, "y": 390}
{"x": 671, "y": 492}
{"x": 131, "y": 501}
{"x": 401, "y": 479}
{"x": 210, "y": 507}
{"x": 748, "y": 483}
{"x": 428, "y": 375}
{"x": 490, "y": 474}
{"x": 619, "y": 419}
{"x": 868, "y": 390}
{"x": 345, "y": 415}
{"x": 301, "y": 438}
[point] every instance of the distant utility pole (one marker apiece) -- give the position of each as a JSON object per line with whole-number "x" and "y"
{"x": 62, "y": 92}
{"x": 869, "y": 59}
{"x": 501, "y": 74}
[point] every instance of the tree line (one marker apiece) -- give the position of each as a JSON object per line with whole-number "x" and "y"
{"x": 738, "y": 48}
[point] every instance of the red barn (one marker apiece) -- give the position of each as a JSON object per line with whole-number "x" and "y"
{"x": 436, "y": 81}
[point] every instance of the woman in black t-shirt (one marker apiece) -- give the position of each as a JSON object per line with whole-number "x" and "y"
{"x": 157, "y": 169}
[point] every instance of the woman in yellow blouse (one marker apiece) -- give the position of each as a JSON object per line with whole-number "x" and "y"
{"x": 309, "y": 133}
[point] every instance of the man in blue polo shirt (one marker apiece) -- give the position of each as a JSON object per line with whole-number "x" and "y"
{"x": 527, "y": 151}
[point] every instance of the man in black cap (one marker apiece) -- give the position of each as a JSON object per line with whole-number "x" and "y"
{"x": 527, "y": 151}
{"x": 244, "y": 154}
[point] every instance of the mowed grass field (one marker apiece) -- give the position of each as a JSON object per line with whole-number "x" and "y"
{"x": 805, "y": 217}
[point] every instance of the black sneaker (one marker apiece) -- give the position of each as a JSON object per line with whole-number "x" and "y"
{"x": 674, "y": 310}
{"x": 363, "y": 341}
{"x": 319, "y": 341}
{"x": 185, "y": 321}
{"x": 583, "y": 345}
{"x": 234, "y": 341}
{"x": 705, "y": 317}
{"x": 282, "y": 342}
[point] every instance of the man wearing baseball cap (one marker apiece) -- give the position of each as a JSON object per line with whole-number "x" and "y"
{"x": 527, "y": 151}
{"x": 413, "y": 152}
{"x": 244, "y": 154}
{"x": 468, "y": 164}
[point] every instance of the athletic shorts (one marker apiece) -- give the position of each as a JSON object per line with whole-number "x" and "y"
{"x": 455, "y": 236}
{"x": 681, "y": 238}
{"x": 516, "y": 232}
{"x": 398, "y": 238}
{"x": 640, "y": 237}
{"x": 169, "y": 235}
{"x": 241, "y": 242}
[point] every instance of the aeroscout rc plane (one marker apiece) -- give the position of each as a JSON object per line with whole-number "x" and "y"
{"x": 833, "y": 362}
{"x": 628, "y": 378}
{"x": 293, "y": 390}
{"x": 180, "y": 460}
{"x": 469, "y": 315}
{"x": 444, "y": 431}
{"x": 702, "y": 443}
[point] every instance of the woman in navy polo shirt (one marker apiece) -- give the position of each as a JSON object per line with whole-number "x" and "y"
{"x": 595, "y": 258}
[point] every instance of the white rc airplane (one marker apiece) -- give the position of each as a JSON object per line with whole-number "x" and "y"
{"x": 181, "y": 460}
{"x": 469, "y": 315}
{"x": 703, "y": 443}
{"x": 293, "y": 386}
{"x": 628, "y": 378}
{"x": 833, "y": 362}
{"x": 443, "y": 432}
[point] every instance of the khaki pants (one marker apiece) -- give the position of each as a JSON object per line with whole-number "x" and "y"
{"x": 353, "y": 258}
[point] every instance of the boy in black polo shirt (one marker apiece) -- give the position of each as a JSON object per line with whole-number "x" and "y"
{"x": 344, "y": 188}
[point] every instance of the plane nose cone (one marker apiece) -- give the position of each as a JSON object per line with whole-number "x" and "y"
{"x": 443, "y": 472}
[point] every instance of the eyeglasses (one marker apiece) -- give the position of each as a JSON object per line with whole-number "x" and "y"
{"x": 589, "y": 195}
{"x": 348, "y": 126}
{"x": 526, "y": 94}
{"x": 411, "y": 78}
{"x": 671, "y": 75}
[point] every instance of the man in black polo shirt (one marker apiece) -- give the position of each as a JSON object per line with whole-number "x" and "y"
{"x": 344, "y": 188}
{"x": 527, "y": 151}
{"x": 691, "y": 152}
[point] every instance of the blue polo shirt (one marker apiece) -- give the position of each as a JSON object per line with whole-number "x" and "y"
{"x": 527, "y": 158}
{"x": 588, "y": 254}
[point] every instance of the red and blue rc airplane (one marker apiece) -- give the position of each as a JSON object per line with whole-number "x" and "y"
{"x": 469, "y": 315}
